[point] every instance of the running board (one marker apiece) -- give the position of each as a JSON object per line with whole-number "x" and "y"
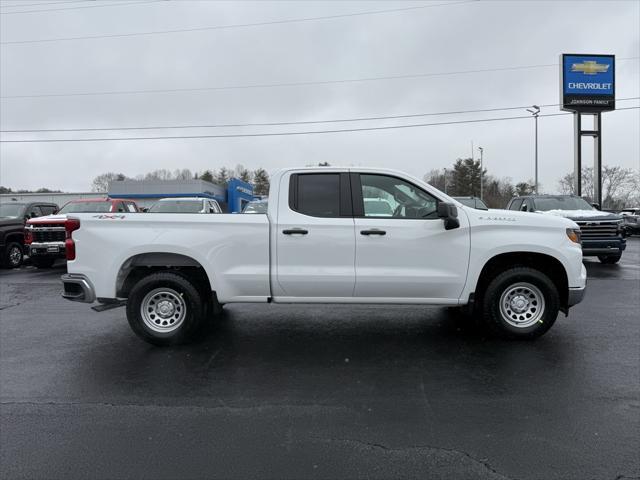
{"x": 108, "y": 306}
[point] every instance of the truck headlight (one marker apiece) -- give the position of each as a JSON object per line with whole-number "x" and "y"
{"x": 574, "y": 235}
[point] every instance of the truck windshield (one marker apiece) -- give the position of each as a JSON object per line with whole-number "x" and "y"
{"x": 11, "y": 210}
{"x": 256, "y": 207}
{"x": 562, "y": 203}
{"x": 86, "y": 207}
{"x": 177, "y": 206}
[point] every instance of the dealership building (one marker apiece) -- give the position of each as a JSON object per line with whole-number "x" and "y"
{"x": 145, "y": 193}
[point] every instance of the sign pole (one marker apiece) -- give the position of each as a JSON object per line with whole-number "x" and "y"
{"x": 577, "y": 154}
{"x": 597, "y": 160}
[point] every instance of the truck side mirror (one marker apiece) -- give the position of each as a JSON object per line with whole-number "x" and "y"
{"x": 449, "y": 213}
{"x": 596, "y": 206}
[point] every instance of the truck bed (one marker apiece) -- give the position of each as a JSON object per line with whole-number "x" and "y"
{"x": 233, "y": 249}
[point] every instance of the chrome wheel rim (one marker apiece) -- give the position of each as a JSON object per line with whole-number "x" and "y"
{"x": 522, "y": 305}
{"x": 163, "y": 310}
{"x": 15, "y": 255}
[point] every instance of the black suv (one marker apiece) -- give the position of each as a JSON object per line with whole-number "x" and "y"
{"x": 602, "y": 232}
{"x": 13, "y": 216}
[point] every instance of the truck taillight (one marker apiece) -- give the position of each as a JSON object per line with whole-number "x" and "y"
{"x": 28, "y": 236}
{"x": 70, "y": 225}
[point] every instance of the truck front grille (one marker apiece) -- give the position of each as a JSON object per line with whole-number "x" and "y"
{"x": 46, "y": 233}
{"x": 598, "y": 229}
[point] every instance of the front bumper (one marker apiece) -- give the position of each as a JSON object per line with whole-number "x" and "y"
{"x": 575, "y": 296}
{"x": 603, "y": 246}
{"x": 78, "y": 288}
{"x": 47, "y": 249}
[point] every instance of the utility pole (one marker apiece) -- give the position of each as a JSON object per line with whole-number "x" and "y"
{"x": 445, "y": 180}
{"x": 535, "y": 111}
{"x": 481, "y": 169}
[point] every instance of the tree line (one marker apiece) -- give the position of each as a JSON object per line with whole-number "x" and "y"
{"x": 620, "y": 186}
{"x": 259, "y": 178}
{"x": 463, "y": 180}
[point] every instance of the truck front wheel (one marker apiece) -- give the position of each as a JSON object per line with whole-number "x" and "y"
{"x": 520, "y": 303}
{"x": 165, "y": 308}
{"x": 12, "y": 255}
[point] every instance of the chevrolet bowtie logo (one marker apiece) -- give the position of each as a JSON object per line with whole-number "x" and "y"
{"x": 589, "y": 67}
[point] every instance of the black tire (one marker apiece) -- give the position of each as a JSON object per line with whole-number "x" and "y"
{"x": 609, "y": 259}
{"x": 43, "y": 262}
{"x": 525, "y": 285}
{"x": 12, "y": 255}
{"x": 190, "y": 304}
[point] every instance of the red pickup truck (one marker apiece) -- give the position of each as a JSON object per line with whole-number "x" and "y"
{"x": 45, "y": 236}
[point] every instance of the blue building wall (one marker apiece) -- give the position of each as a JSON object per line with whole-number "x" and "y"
{"x": 239, "y": 193}
{"x": 147, "y": 192}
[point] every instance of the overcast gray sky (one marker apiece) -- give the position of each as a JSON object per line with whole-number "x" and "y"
{"x": 477, "y": 35}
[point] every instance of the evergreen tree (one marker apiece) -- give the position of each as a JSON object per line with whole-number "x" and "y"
{"x": 465, "y": 178}
{"x": 207, "y": 176}
{"x": 260, "y": 182}
{"x": 243, "y": 174}
{"x": 222, "y": 177}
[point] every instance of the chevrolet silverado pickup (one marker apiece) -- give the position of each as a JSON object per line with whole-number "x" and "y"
{"x": 13, "y": 216}
{"x": 44, "y": 237}
{"x": 602, "y": 233}
{"x": 323, "y": 241}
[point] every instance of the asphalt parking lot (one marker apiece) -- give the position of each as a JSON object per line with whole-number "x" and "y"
{"x": 320, "y": 392}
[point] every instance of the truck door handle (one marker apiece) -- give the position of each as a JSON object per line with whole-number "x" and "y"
{"x": 374, "y": 231}
{"x": 295, "y": 231}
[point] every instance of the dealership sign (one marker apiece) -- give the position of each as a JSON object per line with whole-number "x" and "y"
{"x": 587, "y": 83}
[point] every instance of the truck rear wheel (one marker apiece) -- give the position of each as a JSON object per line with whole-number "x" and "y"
{"x": 166, "y": 308}
{"x": 610, "y": 259}
{"x": 520, "y": 303}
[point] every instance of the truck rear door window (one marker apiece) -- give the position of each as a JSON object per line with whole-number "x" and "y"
{"x": 317, "y": 194}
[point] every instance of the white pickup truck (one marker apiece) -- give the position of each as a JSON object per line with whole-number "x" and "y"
{"x": 330, "y": 235}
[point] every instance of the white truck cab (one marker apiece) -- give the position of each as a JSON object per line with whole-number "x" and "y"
{"x": 331, "y": 235}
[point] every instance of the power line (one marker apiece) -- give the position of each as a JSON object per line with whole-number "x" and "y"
{"x": 111, "y": 4}
{"x": 290, "y": 84}
{"x": 238, "y": 25}
{"x": 45, "y": 3}
{"x": 274, "y": 124}
{"x": 281, "y": 134}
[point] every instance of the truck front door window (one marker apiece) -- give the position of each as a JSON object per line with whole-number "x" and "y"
{"x": 385, "y": 196}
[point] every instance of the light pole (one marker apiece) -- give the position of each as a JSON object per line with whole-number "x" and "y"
{"x": 445, "y": 180}
{"x": 535, "y": 111}
{"x": 481, "y": 169}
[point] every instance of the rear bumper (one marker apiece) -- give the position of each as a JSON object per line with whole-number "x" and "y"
{"x": 78, "y": 288}
{"x": 603, "y": 246}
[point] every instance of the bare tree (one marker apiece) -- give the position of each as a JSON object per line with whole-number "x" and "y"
{"x": 619, "y": 186}
{"x": 101, "y": 182}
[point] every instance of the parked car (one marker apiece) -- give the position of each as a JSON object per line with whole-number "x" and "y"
{"x": 602, "y": 232}
{"x": 45, "y": 236}
{"x": 473, "y": 202}
{"x": 631, "y": 221}
{"x": 323, "y": 243}
{"x": 186, "y": 205}
{"x": 13, "y": 216}
{"x": 256, "y": 206}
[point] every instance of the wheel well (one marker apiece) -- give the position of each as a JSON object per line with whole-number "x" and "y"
{"x": 139, "y": 266}
{"x": 14, "y": 237}
{"x": 537, "y": 261}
